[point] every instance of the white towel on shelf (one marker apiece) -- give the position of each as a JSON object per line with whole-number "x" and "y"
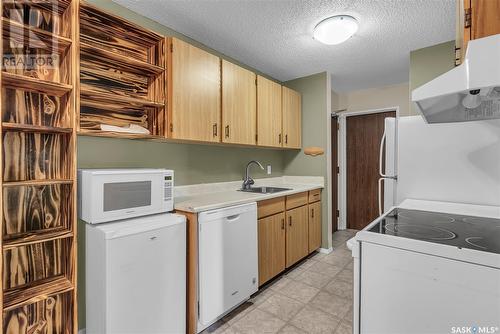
{"x": 131, "y": 128}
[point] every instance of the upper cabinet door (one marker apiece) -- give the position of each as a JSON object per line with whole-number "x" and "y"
{"x": 269, "y": 120}
{"x": 485, "y": 15}
{"x": 475, "y": 19}
{"x": 195, "y": 94}
{"x": 239, "y": 105}
{"x": 292, "y": 118}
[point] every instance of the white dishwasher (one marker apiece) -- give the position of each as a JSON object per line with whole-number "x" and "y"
{"x": 227, "y": 260}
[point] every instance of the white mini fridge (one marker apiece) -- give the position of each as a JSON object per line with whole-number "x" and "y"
{"x": 136, "y": 276}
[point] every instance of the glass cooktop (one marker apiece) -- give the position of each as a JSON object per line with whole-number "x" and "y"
{"x": 477, "y": 233}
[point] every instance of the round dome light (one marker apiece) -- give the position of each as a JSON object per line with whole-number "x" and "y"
{"x": 336, "y": 29}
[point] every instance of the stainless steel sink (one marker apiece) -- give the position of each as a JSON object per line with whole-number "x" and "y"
{"x": 264, "y": 190}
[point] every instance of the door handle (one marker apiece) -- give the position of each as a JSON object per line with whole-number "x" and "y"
{"x": 380, "y": 156}
{"x": 283, "y": 224}
{"x": 286, "y": 139}
{"x": 227, "y": 131}
{"x": 279, "y": 138}
{"x": 215, "y": 129}
{"x": 289, "y": 220}
{"x": 380, "y": 209}
{"x": 312, "y": 213}
{"x": 233, "y": 218}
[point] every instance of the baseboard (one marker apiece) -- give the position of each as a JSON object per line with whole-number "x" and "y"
{"x": 325, "y": 250}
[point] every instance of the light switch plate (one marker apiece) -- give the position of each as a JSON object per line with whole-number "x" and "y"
{"x": 269, "y": 169}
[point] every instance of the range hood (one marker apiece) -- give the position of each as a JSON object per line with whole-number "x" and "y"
{"x": 469, "y": 92}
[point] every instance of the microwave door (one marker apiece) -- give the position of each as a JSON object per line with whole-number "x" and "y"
{"x": 137, "y": 195}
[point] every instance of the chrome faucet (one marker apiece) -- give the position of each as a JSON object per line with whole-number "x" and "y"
{"x": 248, "y": 181}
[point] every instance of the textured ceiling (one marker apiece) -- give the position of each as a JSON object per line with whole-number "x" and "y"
{"x": 275, "y": 36}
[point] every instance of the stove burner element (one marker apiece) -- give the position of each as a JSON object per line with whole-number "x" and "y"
{"x": 473, "y": 242}
{"x": 431, "y": 217}
{"x": 421, "y": 231}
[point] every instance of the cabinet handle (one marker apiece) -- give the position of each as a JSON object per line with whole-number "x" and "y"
{"x": 215, "y": 129}
{"x": 289, "y": 220}
{"x": 279, "y": 138}
{"x": 283, "y": 224}
{"x": 227, "y": 131}
{"x": 286, "y": 139}
{"x": 312, "y": 213}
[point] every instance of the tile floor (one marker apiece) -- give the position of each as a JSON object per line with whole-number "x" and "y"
{"x": 313, "y": 297}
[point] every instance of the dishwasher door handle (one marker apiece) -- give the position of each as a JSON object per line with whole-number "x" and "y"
{"x": 233, "y": 217}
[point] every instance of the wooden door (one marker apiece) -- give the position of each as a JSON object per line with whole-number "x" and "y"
{"x": 297, "y": 230}
{"x": 271, "y": 246}
{"x": 364, "y": 133}
{"x": 335, "y": 173}
{"x": 314, "y": 226}
{"x": 195, "y": 94}
{"x": 292, "y": 118}
{"x": 239, "y": 104}
{"x": 268, "y": 113}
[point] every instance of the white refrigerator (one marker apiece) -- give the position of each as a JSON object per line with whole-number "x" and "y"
{"x": 450, "y": 162}
{"x": 136, "y": 275}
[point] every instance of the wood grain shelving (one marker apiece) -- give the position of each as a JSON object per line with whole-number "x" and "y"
{"x": 34, "y": 128}
{"x": 36, "y": 237}
{"x": 16, "y": 298}
{"x": 88, "y": 96}
{"x": 122, "y": 76}
{"x": 38, "y": 165}
{"x": 37, "y": 182}
{"x": 127, "y": 63}
{"x": 18, "y": 33}
{"x": 35, "y": 85}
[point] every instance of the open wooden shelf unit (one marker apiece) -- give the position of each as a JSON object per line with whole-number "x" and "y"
{"x": 38, "y": 83}
{"x": 122, "y": 76}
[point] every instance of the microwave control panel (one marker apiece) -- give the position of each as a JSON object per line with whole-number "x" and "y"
{"x": 168, "y": 186}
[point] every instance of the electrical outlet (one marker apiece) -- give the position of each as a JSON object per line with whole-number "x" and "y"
{"x": 269, "y": 169}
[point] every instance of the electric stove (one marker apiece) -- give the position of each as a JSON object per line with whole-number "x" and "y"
{"x": 478, "y": 233}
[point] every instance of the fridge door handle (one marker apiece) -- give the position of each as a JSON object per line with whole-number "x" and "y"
{"x": 381, "y": 156}
{"x": 380, "y": 180}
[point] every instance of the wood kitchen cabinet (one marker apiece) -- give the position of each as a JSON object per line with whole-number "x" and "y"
{"x": 271, "y": 246}
{"x": 269, "y": 113}
{"x": 475, "y": 19}
{"x": 292, "y": 118}
{"x": 314, "y": 226}
{"x": 297, "y": 231}
{"x": 194, "y": 92}
{"x": 239, "y": 104}
{"x": 286, "y": 233}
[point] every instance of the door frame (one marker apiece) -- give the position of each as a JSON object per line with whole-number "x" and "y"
{"x": 342, "y": 149}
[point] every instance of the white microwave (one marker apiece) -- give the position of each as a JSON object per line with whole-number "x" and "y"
{"x": 106, "y": 195}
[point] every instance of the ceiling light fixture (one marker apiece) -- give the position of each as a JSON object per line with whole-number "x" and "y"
{"x": 335, "y": 29}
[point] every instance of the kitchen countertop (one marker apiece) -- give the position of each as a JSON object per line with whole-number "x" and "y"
{"x": 203, "y": 197}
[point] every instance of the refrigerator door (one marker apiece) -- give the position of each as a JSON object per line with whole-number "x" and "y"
{"x": 388, "y": 166}
{"x": 228, "y": 263}
{"x": 136, "y": 276}
{"x": 454, "y": 162}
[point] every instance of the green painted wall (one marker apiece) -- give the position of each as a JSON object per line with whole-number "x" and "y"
{"x": 315, "y": 121}
{"x": 192, "y": 163}
{"x": 428, "y": 63}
